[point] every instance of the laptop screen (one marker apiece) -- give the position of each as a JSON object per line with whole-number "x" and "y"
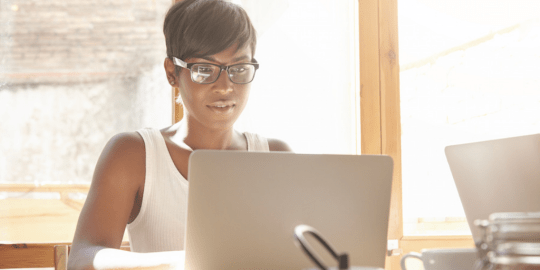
{"x": 496, "y": 176}
{"x": 243, "y": 208}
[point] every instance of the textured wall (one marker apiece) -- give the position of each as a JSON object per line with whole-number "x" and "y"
{"x": 83, "y": 36}
{"x": 73, "y": 74}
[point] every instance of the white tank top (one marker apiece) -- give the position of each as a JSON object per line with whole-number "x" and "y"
{"x": 161, "y": 222}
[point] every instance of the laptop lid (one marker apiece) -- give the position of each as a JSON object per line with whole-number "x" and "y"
{"x": 496, "y": 176}
{"x": 243, "y": 208}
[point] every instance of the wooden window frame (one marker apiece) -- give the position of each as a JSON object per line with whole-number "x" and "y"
{"x": 177, "y": 108}
{"x": 380, "y": 121}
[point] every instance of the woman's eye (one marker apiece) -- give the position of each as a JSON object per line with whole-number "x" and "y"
{"x": 238, "y": 69}
{"x": 204, "y": 69}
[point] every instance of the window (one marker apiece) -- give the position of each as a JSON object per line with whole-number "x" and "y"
{"x": 73, "y": 74}
{"x": 469, "y": 72}
{"x": 304, "y": 92}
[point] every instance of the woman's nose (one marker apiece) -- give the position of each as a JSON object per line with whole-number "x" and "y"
{"x": 223, "y": 84}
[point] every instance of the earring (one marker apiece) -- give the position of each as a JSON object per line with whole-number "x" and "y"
{"x": 171, "y": 80}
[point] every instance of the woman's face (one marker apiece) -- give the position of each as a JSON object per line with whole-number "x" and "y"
{"x": 217, "y": 105}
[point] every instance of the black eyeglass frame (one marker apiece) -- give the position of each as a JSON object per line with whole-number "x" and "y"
{"x": 183, "y": 64}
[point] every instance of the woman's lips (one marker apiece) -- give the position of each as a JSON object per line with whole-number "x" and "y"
{"x": 222, "y": 107}
{"x": 222, "y": 103}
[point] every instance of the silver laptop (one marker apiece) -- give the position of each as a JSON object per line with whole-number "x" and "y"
{"x": 243, "y": 208}
{"x": 496, "y": 176}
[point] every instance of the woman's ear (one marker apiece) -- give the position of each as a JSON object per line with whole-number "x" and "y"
{"x": 169, "y": 71}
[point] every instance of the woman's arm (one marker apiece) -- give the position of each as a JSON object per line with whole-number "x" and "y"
{"x": 118, "y": 181}
{"x": 108, "y": 259}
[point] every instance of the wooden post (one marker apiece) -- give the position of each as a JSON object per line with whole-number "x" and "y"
{"x": 60, "y": 257}
{"x": 177, "y": 109}
{"x": 379, "y": 98}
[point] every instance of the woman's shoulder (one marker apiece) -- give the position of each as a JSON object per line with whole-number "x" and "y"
{"x": 124, "y": 150}
{"x": 278, "y": 145}
{"x": 121, "y": 166}
{"x": 273, "y": 144}
{"x": 127, "y": 141}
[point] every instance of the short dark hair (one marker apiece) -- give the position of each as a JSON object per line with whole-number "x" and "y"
{"x": 205, "y": 27}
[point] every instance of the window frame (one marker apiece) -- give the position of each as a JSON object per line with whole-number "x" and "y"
{"x": 380, "y": 120}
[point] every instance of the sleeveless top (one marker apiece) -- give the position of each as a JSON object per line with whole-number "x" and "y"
{"x": 161, "y": 222}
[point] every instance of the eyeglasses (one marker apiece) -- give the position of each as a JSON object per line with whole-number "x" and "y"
{"x": 206, "y": 73}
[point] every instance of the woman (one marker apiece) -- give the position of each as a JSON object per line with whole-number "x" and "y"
{"x": 140, "y": 181}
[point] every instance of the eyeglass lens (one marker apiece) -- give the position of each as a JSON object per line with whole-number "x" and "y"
{"x": 205, "y": 73}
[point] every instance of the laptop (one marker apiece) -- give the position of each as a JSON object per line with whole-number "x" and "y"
{"x": 496, "y": 176}
{"x": 243, "y": 208}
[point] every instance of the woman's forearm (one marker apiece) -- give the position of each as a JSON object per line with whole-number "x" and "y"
{"x": 100, "y": 258}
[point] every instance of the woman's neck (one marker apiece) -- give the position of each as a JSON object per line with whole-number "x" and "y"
{"x": 196, "y": 136}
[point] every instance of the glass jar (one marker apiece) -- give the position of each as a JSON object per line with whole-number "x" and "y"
{"x": 510, "y": 241}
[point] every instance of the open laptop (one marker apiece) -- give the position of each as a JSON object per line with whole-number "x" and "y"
{"x": 496, "y": 176}
{"x": 243, "y": 208}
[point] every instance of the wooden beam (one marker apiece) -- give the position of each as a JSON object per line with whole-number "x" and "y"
{"x": 417, "y": 243}
{"x": 390, "y": 114}
{"x": 61, "y": 253}
{"x": 390, "y": 105}
{"x": 32, "y": 255}
{"x": 379, "y": 98}
{"x": 37, "y": 255}
{"x": 178, "y": 109}
{"x": 61, "y": 188}
{"x": 370, "y": 109}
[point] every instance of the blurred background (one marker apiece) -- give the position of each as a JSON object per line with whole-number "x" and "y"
{"x": 468, "y": 72}
{"x": 75, "y": 73}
